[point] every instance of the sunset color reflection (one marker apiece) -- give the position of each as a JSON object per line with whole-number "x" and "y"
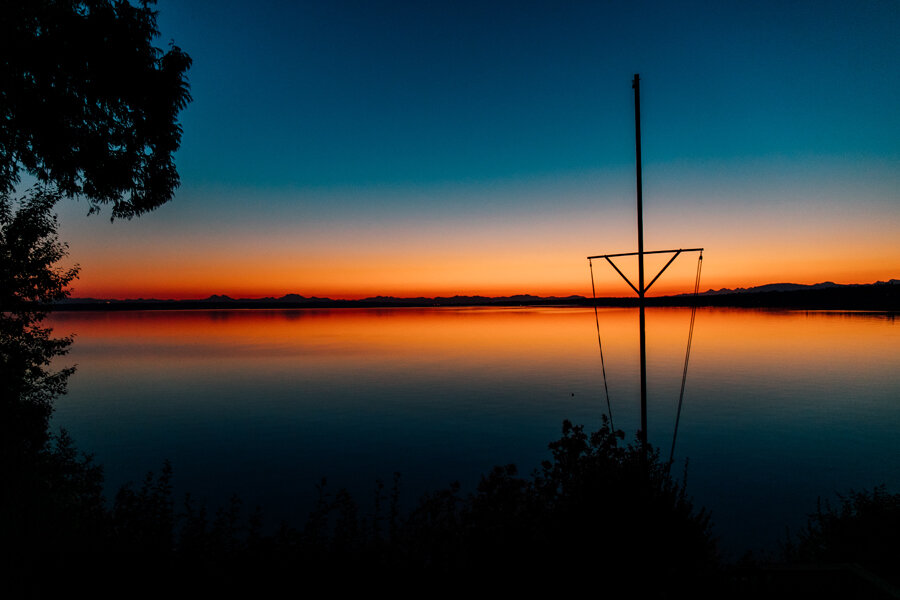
{"x": 265, "y": 402}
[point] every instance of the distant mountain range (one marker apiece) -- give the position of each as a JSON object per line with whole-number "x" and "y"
{"x": 790, "y": 287}
{"x": 882, "y": 295}
{"x": 289, "y": 300}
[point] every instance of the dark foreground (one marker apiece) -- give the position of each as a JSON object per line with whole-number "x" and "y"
{"x": 601, "y": 516}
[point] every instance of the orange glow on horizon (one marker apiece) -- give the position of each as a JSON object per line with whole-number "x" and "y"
{"x": 566, "y": 278}
{"x": 542, "y": 253}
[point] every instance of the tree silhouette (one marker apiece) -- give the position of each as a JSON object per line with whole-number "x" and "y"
{"x": 88, "y": 104}
{"x": 864, "y": 530}
{"x": 30, "y": 280}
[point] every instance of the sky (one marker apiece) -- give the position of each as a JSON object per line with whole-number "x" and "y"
{"x": 353, "y": 149}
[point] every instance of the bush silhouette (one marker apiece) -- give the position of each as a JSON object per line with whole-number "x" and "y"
{"x": 863, "y": 530}
{"x": 599, "y": 506}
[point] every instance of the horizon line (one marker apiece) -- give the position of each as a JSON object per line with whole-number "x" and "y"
{"x": 360, "y": 297}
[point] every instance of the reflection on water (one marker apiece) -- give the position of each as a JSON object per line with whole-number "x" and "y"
{"x": 780, "y": 407}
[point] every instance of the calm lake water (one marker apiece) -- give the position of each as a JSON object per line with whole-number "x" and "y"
{"x": 780, "y": 407}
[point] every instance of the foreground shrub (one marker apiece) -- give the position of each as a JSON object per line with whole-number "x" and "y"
{"x": 598, "y": 508}
{"x": 863, "y": 530}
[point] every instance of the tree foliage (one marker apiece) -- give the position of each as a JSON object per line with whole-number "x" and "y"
{"x": 598, "y": 506}
{"x": 864, "y": 529}
{"x": 30, "y": 281}
{"x": 88, "y": 104}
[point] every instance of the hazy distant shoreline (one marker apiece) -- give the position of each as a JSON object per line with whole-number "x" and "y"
{"x": 880, "y": 296}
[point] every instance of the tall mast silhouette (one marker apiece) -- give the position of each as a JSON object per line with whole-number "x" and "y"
{"x": 641, "y": 289}
{"x": 636, "y": 84}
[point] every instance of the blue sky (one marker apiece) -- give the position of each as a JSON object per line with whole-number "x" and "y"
{"x": 327, "y": 93}
{"x": 397, "y": 128}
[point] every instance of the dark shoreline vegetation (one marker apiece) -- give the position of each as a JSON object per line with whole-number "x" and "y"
{"x": 599, "y": 510}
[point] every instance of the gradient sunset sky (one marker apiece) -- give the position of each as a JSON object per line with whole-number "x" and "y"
{"x": 349, "y": 149}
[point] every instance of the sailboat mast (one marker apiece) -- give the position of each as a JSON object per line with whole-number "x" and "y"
{"x": 640, "y": 289}
{"x": 636, "y": 84}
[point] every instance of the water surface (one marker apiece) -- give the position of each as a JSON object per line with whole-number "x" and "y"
{"x": 780, "y": 407}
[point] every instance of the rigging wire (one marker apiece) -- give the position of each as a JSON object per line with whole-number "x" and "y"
{"x": 600, "y": 344}
{"x": 687, "y": 356}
